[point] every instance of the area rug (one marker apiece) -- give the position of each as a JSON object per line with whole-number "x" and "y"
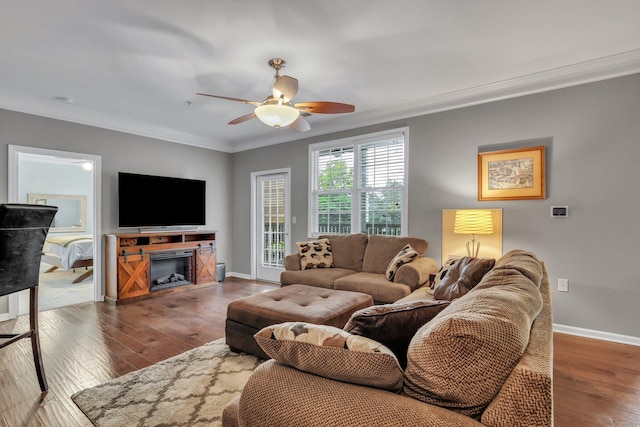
{"x": 190, "y": 389}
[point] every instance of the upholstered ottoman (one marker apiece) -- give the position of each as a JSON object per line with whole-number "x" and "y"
{"x": 294, "y": 303}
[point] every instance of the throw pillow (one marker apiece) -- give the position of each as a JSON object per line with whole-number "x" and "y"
{"x": 315, "y": 254}
{"x": 406, "y": 255}
{"x": 442, "y": 272}
{"x": 330, "y": 352}
{"x": 462, "y": 276}
{"x": 394, "y": 324}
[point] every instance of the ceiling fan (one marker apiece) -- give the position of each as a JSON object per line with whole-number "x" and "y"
{"x": 277, "y": 110}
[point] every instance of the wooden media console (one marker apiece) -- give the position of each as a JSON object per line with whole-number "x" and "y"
{"x": 141, "y": 265}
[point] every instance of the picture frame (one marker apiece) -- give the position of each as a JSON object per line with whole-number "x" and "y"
{"x": 516, "y": 174}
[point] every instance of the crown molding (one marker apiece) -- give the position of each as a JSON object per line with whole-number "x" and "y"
{"x": 618, "y": 65}
{"x": 71, "y": 113}
{"x": 599, "y": 69}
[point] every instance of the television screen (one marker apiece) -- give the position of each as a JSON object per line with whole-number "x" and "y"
{"x": 160, "y": 201}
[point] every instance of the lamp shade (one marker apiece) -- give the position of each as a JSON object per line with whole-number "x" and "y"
{"x": 276, "y": 115}
{"x": 473, "y": 221}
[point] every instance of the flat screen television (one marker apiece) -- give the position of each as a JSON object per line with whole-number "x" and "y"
{"x": 160, "y": 201}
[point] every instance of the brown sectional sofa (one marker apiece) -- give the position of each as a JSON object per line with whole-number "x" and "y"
{"x": 485, "y": 360}
{"x": 360, "y": 262}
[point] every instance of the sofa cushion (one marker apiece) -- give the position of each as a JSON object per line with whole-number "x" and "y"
{"x": 381, "y": 250}
{"x": 376, "y": 285}
{"x": 348, "y": 250}
{"x": 523, "y": 262}
{"x": 315, "y": 254}
{"x": 461, "y": 359}
{"x": 394, "y": 324}
{"x": 463, "y": 275}
{"x": 318, "y": 277}
{"x": 405, "y": 256}
{"x": 423, "y": 293}
{"x": 332, "y": 353}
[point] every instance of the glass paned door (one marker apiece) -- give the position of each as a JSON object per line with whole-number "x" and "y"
{"x": 272, "y": 226}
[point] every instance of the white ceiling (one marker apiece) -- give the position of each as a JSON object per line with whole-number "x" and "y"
{"x": 135, "y": 65}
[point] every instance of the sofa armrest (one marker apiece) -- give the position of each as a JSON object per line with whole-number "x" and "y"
{"x": 416, "y": 273}
{"x": 292, "y": 262}
{"x": 310, "y": 400}
{"x": 527, "y": 395}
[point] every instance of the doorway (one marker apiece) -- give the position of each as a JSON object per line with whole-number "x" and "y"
{"x": 70, "y": 181}
{"x": 270, "y": 223}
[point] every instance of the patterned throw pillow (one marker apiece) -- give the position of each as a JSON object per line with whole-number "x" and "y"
{"x": 442, "y": 272}
{"x": 315, "y": 254}
{"x": 406, "y": 255}
{"x": 330, "y": 352}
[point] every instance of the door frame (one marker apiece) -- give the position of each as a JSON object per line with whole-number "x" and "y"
{"x": 14, "y": 151}
{"x": 254, "y": 215}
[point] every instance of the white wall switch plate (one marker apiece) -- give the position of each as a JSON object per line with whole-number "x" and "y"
{"x": 563, "y": 285}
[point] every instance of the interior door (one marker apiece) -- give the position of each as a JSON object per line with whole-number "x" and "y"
{"x": 38, "y": 171}
{"x": 272, "y": 225}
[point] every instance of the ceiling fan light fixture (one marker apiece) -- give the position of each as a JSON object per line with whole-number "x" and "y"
{"x": 277, "y": 110}
{"x": 276, "y": 115}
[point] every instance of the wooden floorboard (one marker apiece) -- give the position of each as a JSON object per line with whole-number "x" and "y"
{"x": 596, "y": 383}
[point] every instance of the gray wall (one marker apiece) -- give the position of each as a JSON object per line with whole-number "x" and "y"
{"x": 592, "y": 134}
{"x": 127, "y": 153}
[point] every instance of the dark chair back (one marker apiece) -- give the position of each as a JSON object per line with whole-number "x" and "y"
{"x": 23, "y": 229}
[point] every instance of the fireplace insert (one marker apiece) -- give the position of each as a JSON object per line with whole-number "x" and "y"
{"x": 170, "y": 269}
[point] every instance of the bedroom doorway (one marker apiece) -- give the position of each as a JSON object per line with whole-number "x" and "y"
{"x": 270, "y": 224}
{"x": 70, "y": 181}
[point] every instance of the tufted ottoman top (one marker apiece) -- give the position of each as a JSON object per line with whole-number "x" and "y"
{"x": 298, "y": 303}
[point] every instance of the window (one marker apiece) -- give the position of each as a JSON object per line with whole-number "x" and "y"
{"x": 359, "y": 185}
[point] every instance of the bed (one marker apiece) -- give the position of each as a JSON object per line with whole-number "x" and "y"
{"x": 69, "y": 251}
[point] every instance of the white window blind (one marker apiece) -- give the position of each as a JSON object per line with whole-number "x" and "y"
{"x": 382, "y": 186}
{"x": 333, "y": 185}
{"x": 359, "y": 185}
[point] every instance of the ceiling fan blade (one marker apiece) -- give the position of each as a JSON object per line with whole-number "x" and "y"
{"x": 246, "y": 101}
{"x": 301, "y": 124}
{"x": 286, "y": 87}
{"x": 242, "y": 119}
{"x": 325, "y": 107}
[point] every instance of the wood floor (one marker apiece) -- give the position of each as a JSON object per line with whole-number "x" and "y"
{"x": 596, "y": 383}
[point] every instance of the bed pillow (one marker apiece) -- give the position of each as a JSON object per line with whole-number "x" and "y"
{"x": 406, "y": 255}
{"x": 462, "y": 276}
{"x": 315, "y": 254}
{"x": 330, "y": 352}
{"x": 394, "y": 324}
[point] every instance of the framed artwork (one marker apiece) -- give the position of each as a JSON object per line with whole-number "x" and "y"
{"x": 517, "y": 174}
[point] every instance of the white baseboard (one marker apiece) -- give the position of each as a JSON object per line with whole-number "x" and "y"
{"x": 4, "y": 316}
{"x": 247, "y": 277}
{"x": 599, "y": 335}
{"x": 238, "y": 275}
